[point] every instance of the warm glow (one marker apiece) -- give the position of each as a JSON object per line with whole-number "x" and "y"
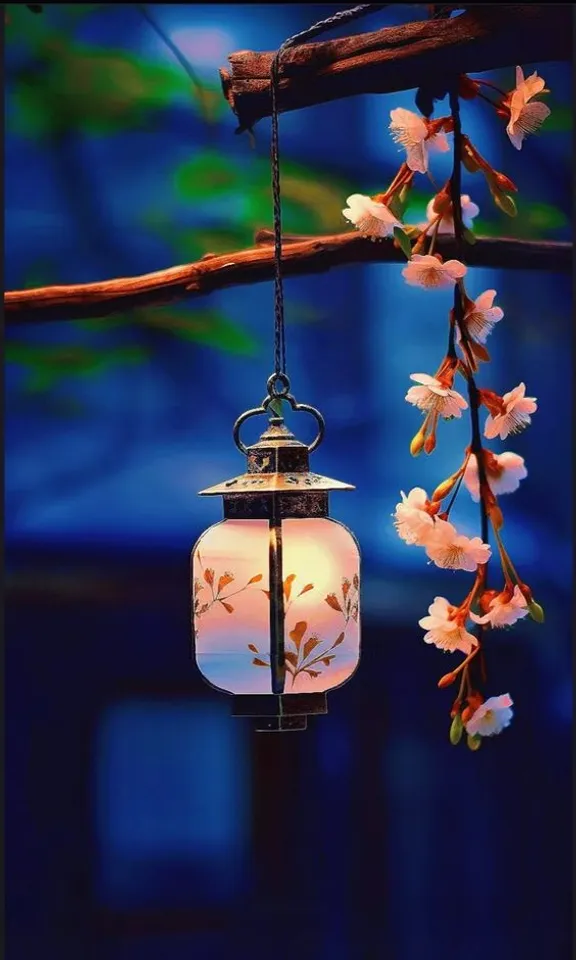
{"x": 320, "y": 563}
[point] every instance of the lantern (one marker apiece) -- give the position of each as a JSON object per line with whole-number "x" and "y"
{"x": 275, "y": 585}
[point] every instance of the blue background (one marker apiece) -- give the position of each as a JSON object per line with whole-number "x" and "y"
{"x": 142, "y": 821}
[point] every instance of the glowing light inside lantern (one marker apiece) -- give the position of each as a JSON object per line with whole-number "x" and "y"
{"x": 231, "y": 598}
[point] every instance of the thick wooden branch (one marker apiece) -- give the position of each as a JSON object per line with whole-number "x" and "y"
{"x": 300, "y": 255}
{"x": 399, "y": 58}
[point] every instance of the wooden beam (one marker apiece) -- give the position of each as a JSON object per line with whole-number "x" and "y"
{"x": 485, "y": 37}
{"x": 300, "y": 256}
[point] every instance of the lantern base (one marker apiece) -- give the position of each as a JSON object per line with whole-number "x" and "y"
{"x": 276, "y": 713}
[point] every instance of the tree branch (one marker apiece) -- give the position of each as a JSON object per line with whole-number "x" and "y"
{"x": 485, "y": 37}
{"x": 300, "y": 256}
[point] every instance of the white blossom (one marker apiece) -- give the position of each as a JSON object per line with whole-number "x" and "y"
{"x": 526, "y": 116}
{"x": 372, "y": 218}
{"x": 491, "y": 717}
{"x": 411, "y": 131}
{"x": 411, "y": 519}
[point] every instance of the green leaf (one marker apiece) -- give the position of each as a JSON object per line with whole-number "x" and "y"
{"x": 403, "y": 242}
{"x": 505, "y": 203}
{"x": 399, "y": 201}
{"x": 456, "y": 730}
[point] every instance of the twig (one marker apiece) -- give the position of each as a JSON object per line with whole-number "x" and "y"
{"x": 485, "y": 37}
{"x": 300, "y": 256}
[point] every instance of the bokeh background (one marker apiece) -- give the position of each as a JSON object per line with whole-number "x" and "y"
{"x": 142, "y": 821}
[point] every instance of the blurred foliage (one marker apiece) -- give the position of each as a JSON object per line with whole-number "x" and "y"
{"x": 65, "y": 86}
{"x": 532, "y": 221}
{"x": 312, "y": 201}
{"x": 47, "y": 365}
{"x": 561, "y": 120}
{"x": 209, "y": 327}
{"x": 93, "y": 91}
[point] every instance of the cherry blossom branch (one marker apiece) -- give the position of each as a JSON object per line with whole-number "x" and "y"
{"x": 301, "y": 255}
{"x": 483, "y": 38}
{"x": 456, "y": 197}
{"x": 476, "y": 446}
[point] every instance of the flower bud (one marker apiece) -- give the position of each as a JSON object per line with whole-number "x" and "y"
{"x": 501, "y": 182}
{"x": 417, "y": 444}
{"x": 474, "y": 743}
{"x": 535, "y": 612}
{"x": 444, "y": 488}
{"x": 456, "y": 730}
{"x": 430, "y": 443}
{"x": 446, "y": 680}
{"x": 467, "y": 714}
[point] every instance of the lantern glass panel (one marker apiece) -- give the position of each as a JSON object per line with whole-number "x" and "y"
{"x": 231, "y": 599}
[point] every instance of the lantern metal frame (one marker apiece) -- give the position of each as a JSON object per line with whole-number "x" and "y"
{"x": 276, "y": 486}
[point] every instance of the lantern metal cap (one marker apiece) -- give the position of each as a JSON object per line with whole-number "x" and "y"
{"x": 275, "y": 483}
{"x": 278, "y": 462}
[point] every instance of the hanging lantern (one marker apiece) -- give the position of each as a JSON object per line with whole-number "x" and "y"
{"x": 275, "y": 585}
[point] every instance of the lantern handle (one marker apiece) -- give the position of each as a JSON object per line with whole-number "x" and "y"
{"x": 278, "y": 389}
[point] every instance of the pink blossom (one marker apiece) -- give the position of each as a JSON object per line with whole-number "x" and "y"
{"x": 444, "y": 631}
{"x": 469, "y": 211}
{"x": 504, "y": 471}
{"x": 481, "y": 317}
{"x": 453, "y": 551}
{"x": 432, "y": 396}
{"x": 504, "y": 610}
{"x": 412, "y": 521}
{"x": 429, "y": 272}
{"x": 515, "y": 415}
